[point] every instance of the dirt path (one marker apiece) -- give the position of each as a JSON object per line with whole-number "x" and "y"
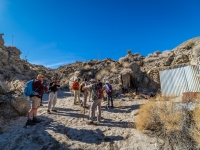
{"x": 66, "y": 129}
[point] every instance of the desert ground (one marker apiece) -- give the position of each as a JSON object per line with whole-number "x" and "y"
{"x": 67, "y": 128}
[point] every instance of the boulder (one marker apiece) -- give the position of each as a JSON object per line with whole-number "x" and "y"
{"x": 7, "y": 111}
{"x": 20, "y": 105}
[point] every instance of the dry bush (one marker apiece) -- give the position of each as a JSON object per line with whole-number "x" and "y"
{"x": 17, "y": 85}
{"x": 190, "y": 44}
{"x": 159, "y": 117}
{"x": 13, "y": 85}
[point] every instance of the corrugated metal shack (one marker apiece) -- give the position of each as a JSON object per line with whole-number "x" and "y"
{"x": 181, "y": 80}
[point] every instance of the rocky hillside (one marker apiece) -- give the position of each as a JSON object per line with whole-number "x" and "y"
{"x": 14, "y": 72}
{"x": 135, "y": 73}
{"x": 132, "y": 73}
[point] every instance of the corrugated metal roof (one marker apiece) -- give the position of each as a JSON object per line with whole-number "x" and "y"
{"x": 176, "y": 81}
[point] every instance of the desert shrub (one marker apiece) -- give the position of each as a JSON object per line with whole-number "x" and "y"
{"x": 17, "y": 85}
{"x": 129, "y": 52}
{"x": 161, "y": 119}
{"x": 190, "y": 44}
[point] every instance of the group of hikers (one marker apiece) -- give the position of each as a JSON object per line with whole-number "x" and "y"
{"x": 92, "y": 90}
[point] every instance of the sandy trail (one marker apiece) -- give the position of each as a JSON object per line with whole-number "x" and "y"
{"x": 66, "y": 128}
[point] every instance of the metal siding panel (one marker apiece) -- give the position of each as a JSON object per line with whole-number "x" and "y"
{"x": 176, "y": 81}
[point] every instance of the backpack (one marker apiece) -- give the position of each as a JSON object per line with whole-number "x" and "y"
{"x": 28, "y": 88}
{"x": 98, "y": 92}
{"x": 75, "y": 85}
{"x": 81, "y": 87}
{"x": 108, "y": 89}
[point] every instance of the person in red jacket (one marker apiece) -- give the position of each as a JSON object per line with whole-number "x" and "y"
{"x": 75, "y": 87}
{"x": 35, "y": 100}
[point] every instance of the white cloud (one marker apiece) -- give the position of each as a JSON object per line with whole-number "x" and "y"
{"x": 55, "y": 65}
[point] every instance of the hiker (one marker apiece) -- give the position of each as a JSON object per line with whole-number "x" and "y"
{"x": 39, "y": 88}
{"x": 75, "y": 87}
{"x": 108, "y": 89}
{"x": 96, "y": 97}
{"x": 85, "y": 92}
{"x": 52, "y": 95}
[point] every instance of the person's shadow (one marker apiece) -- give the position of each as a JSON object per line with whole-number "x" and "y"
{"x": 86, "y": 136}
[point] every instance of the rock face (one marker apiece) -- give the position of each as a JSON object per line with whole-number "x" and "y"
{"x": 14, "y": 71}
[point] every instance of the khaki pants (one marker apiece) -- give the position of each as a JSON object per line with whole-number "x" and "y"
{"x": 95, "y": 104}
{"x": 90, "y": 95}
{"x": 52, "y": 100}
{"x": 35, "y": 102}
{"x": 85, "y": 95}
{"x": 76, "y": 93}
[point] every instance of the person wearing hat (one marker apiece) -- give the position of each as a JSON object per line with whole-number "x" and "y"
{"x": 39, "y": 88}
{"x": 95, "y": 104}
{"x": 52, "y": 95}
{"x": 108, "y": 89}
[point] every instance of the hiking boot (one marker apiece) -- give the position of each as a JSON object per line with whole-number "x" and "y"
{"x": 90, "y": 123}
{"x": 107, "y": 107}
{"x": 112, "y": 107}
{"x": 54, "y": 110}
{"x": 48, "y": 111}
{"x": 29, "y": 123}
{"x": 36, "y": 120}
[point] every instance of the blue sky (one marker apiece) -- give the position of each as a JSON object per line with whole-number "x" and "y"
{"x": 58, "y": 32}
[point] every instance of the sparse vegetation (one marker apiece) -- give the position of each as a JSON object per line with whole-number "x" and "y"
{"x": 190, "y": 44}
{"x": 129, "y": 52}
{"x": 164, "y": 120}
